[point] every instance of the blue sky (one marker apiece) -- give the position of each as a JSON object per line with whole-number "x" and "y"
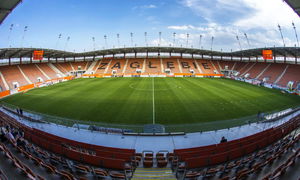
{"x": 81, "y": 20}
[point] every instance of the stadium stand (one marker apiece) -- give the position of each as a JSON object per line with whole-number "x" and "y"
{"x": 273, "y": 73}
{"x": 103, "y": 66}
{"x": 206, "y": 66}
{"x": 290, "y": 75}
{"x": 64, "y": 67}
{"x": 216, "y": 66}
{"x": 80, "y": 66}
{"x": 152, "y": 66}
{"x": 223, "y": 64}
{"x": 40, "y": 155}
{"x": 187, "y": 65}
{"x": 2, "y": 85}
{"x": 256, "y": 70}
{"x": 13, "y": 75}
{"x": 118, "y": 66}
{"x": 33, "y": 73}
{"x": 172, "y": 65}
{"x": 44, "y": 156}
{"x": 240, "y": 158}
{"x": 246, "y": 68}
{"x": 47, "y": 70}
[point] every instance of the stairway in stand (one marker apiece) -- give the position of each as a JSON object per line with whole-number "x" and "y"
{"x": 153, "y": 173}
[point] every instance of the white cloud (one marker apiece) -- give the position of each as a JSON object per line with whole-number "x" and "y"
{"x": 150, "y": 6}
{"x": 260, "y": 25}
{"x": 184, "y": 27}
{"x": 268, "y": 14}
{"x": 163, "y": 42}
{"x": 264, "y": 14}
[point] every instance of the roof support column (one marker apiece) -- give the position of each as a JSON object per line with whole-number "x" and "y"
{"x": 56, "y": 60}
{"x": 21, "y": 60}
{"x": 84, "y": 58}
{"x": 65, "y": 59}
{"x": 274, "y": 58}
{"x": 256, "y": 58}
{"x": 113, "y": 56}
{"x": 31, "y": 59}
{"x": 296, "y": 57}
{"x": 74, "y": 59}
{"x": 192, "y": 55}
{"x": 147, "y": 54}
{"x": 284, "y": 58}
{"x": 181, "y": 55}
{"x": 48, "y": 59}
{"x": 9, "y": 61}
{"x": 135, "y": 54}
{"x": 202, "y": 56}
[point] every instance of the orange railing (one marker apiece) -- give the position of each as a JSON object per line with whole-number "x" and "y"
{"x": 4, "y": 93}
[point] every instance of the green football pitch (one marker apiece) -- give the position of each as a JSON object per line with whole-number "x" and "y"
{"x": 136, "y": 101}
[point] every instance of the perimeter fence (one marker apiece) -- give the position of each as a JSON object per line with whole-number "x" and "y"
{"x": 186, "y": 128}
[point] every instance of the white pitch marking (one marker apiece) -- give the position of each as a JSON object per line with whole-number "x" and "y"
{"x": 153, "y": 97}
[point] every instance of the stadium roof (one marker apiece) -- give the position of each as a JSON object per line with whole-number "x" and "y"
{"x": 6, "y": 7}
{"x": 50, "y": 53}
{"x": 295, "y": 4}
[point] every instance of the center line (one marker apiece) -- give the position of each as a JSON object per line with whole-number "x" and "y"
{"x": 153, "y": 98}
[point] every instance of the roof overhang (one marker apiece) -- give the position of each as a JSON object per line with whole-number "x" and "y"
{"x": 295, "y": 5}
{"x": 6, "y": 7}
{"x": 7, "y": 53}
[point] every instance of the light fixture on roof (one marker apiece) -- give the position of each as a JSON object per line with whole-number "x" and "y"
{"x": 238, "y": 39}
{"x": 174, "y": 38}
{"x": 200, "y": 41}
{"x": 94, "y": 46}
{"x": 10, "y": 30}
{"x": 68, "y": 39}
{"x": 247, "y": 40}
{"x": 159, "y": 40}
{"x": 212, "y": 42}
{"x": 23, "y": 37}
{"x": 131, "y": 38}
{"x": 279, "y": 27}
{"x": 146, "y": 41}
{"x": 294, "y": 27}
{"x": 187, "y": 40}
{"x": 118, "y": 38}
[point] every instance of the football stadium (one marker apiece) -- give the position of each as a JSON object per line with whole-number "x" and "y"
{"x": 170, "y": 89}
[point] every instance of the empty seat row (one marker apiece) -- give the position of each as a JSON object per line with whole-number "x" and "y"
{"x": 215, "y": 154}
{"x": 248, "y": 166}
{"x": 107, "y": 157}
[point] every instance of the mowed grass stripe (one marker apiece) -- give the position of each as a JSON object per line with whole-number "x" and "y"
{"x": 130, "y": 100}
